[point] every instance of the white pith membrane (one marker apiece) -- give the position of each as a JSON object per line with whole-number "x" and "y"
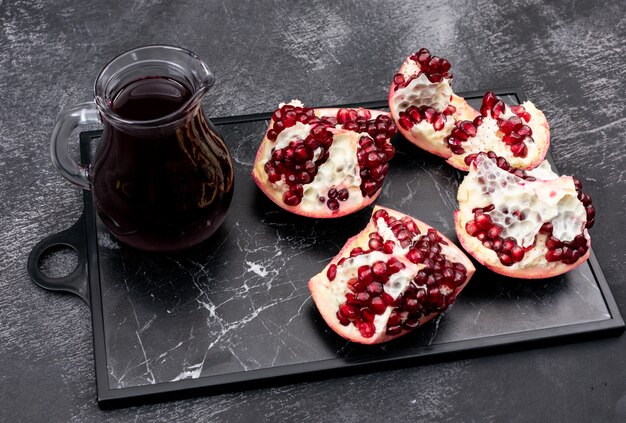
{"x": 395, "y": 286}
{"x": 341, "y": 170}
{"x": 551, "y": 198}
{"x": 421, "y": 92}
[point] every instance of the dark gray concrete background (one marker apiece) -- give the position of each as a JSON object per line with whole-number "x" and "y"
{"x": 568, "y": 56}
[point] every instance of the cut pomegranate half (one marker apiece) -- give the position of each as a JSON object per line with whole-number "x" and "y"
{"x": 395, "y": 275}
{"x": 523, "y": 224}
{"x": 431, "y": 116}
{"x": 324, "y": 163}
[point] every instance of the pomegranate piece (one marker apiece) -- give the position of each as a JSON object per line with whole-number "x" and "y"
{"x": 324, "y": 163}
{"x": 431, "y": 116}
{"x": 523, "y": 224}
{"x": 394, "y": 276}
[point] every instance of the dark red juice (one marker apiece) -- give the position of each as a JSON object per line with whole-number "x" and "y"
{"x": 161, "y": 187}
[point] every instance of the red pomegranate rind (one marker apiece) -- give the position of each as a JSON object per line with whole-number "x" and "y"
{"x": 523, "y": 224}
{"x": 431, "y": 116}
{"x": 350, "y": 146}
{"x": 362, "y": 306}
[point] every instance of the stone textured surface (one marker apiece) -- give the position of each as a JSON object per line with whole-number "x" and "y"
{"x": 569, "y": 57}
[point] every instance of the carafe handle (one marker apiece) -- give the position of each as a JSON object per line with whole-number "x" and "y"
{"x": 68, "y": 120}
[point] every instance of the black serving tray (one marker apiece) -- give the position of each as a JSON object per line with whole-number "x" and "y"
{"x": 236, "y": 312}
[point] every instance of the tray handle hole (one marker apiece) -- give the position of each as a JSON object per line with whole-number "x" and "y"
{"x": 58, "y": 261}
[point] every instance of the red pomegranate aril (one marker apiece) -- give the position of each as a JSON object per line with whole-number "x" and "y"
{"x": 378, "y": 304}
{"x": 552, "y": 243}
{"x": 505, "y": 259}
{"x": 468, "y": 128}
{"x": 497, "y": 245}
{"x": 348, "y": 311}
{"x": 388, "y": 299}
{"x": 332, "y": 272}
{"x": 519, "y": 150}
{"x": 388, "y": 247}
{"x": 483, "y": 221}
{"x": 332, "y": 204}
{"x": 364, "y": 274}
{"x": 344, "y": 321}
{"x": 291, "y": 198}
{"x": 415, "y": 255}
{"x": 405, "y": 122}
{"x": 439, "y": 122}
{"x": 517, "y": 253}
{"x": 367, "y": 329}
{"x": 379, "y": 269}
{"x": 367, "y": 315}
{"x": 375, "y": 244}
{"x": 508, "y": 245}
{"x": 472, "y": 228}
{"x": 361, "y": 298}
{"x": 546, "y": 228}
{"x": 374, "y": 288}
{"x": 494, "y": 232}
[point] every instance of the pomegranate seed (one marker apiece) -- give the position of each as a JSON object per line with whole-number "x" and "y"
{"x": 517, "y": 253}
{"x": 375, "y": 244}
{"x": 379, "y": 269}
{"x": 519, "y": 150}
{"x": 364, "y": 274}
{"x": 552, "y": 243}
{"x": 367, "y": 316}
{"x": 361, "y": 298}
{"x": 394, "y": 319}
{"x": 332, "y": 204}
{"x": 394, "y": 266}
{"x": 380, "y": 214}
{"x": 356, "y": 252}
{"x": 494, "y": 232}
{"x": 378, "y": 304}
{"x": 449, "y": 110}
{"x": 524, "y": 131}
{"x": 554, "y": 255}
{"x": 388, "y": 247}
{"x": 415, "y": 256}
{"x": 405, "y": 122}
{"x": 508, "y": 245}
{"x": 546, "y": 228}
{"x": 291, "y": 198}
{"x": 398, "y": 79}
{"x": 489, "y": 99}
{"x": 505, "y": 259}
{"x": 388, "y": 299}
{"x": 467, "y": 127}
{"x": 439, "y": 122}
{"x": 374, "y": 288}
{"x": 429, "y": 114}
{"x": 497, "y": 245}
{"x": 483, "y": 221}
{"x": 414, "y": 114}
{"x": 366, "y": 329}
{"x": 332, "y": 272}
{"x": 344, "y": 321}
{"x": 497, "y": 109}
{"x": 348, "y": 311}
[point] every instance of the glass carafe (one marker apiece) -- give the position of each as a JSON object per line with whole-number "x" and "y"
{"x": 162, "y": 177}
